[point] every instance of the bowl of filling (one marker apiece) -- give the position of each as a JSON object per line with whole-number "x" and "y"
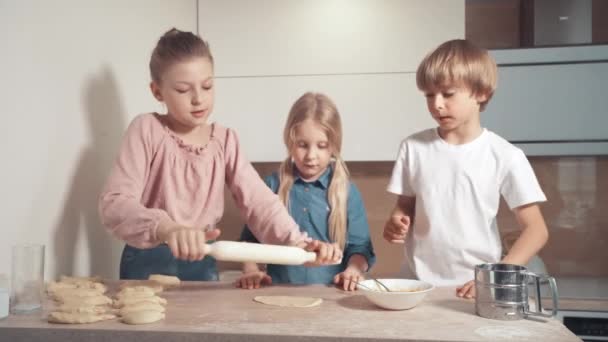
{"x": 396, "y": 294}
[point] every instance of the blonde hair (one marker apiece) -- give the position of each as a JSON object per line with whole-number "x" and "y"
{"x": 462, "y": 63}
{"x": 321, "y": 109}
{"x": 175, "y": 46}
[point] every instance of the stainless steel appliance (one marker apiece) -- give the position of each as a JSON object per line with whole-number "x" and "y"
{"x": 588, "y": 325}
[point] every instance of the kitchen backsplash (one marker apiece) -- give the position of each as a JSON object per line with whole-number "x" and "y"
{"x": 576, "y": 213}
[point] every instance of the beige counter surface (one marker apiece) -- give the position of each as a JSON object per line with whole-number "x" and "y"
{"x": 214, "y": 311}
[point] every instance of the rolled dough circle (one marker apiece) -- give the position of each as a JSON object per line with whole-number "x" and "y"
{"x": 289, "y": 301}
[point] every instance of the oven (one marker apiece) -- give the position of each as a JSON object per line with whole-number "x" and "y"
{"x": 588, "y": 325}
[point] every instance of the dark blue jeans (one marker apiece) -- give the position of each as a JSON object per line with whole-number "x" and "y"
{"x": 138, "y": 263}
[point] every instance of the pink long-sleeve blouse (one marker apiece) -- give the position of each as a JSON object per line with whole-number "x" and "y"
{"x": 157, "y": 176}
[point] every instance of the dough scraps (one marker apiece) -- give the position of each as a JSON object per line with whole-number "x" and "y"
{"x": 289, "y": 301}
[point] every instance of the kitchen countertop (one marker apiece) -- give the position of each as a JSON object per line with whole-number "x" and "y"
{"x": 216, "y": 311}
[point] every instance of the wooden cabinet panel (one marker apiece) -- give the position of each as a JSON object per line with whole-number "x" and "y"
{"x": 600, "y": 22}
{"x": 493, "y": 24}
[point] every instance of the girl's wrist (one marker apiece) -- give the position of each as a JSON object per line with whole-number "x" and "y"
{"x": 164, "y": 228}
{"x": 250, "y": 268}
{"x": 358, "y": 262}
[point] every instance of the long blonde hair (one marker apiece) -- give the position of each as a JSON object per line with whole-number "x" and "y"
{"x": 321, "y": 109}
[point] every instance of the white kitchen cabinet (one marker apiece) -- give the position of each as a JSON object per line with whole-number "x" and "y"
{"x": 361, "y": 53}
{"x": 552, "y": 101}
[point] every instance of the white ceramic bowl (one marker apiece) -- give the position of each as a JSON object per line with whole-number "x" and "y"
{"x": 405, "y": 293}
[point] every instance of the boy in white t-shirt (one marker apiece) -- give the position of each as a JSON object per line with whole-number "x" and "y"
{"x": 449, "y": 179}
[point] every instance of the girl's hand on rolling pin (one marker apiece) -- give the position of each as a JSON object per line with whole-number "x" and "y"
{"x": 187, "y": 243}
{"x": 327, "y": 253}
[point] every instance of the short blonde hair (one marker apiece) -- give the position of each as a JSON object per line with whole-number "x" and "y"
{"x": 459, "y": 62}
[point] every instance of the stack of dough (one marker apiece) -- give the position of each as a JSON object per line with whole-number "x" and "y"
{"x": 83, "y": 300}
{"x": 79, "y": 300}
{"x": 140, "y": 304}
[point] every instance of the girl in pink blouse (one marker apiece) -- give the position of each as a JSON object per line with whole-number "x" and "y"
{"x": 166, "y": 190}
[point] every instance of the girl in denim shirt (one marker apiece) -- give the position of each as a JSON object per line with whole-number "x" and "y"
{"x": 313, "y": 183}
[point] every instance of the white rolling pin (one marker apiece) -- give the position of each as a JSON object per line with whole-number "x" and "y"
{"x": 259, "y": 253}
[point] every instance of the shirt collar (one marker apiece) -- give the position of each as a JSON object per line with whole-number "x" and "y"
{"x": 323, "y": 180}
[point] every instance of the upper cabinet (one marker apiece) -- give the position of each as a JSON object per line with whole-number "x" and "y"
{"x": 553, "y": 72}
{"x": 361, "y": 53}
{"x": 552, "y": 101}
{"x": 292, "y": 37}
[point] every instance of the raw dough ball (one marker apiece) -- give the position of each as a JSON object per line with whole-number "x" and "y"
{"x": 88, "y": 309}
{"x": 136, "y": 291}
{"x": 153, "y": 285}
{"x": 77, "y": 318}
{"x": 142, "y": 306}
{"x": 289, "y": 301}
{"x": 126, "y": 301}
{"x": 84, "y": 301}
{"x": 165, "y": 280}
{"x": 142, "y": 317}
{"x": 61, "y": 295}
{"x": 53, "y": 287}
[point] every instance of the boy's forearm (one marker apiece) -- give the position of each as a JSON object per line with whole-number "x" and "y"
{"x": 527, "y": 245}
{"x": 404, "y": 206}
{"x": 533, "y": 237}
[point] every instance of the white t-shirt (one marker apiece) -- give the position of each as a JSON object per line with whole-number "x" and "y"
{"x": 457, "y": 190}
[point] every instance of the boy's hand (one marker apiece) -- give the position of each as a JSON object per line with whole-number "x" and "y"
{"x": 253, "y": 280}
{"x": 396, "y": 228}
{"x": 327, "y": 253}
{"x": 187, "y": 243}
{"x": 467, "y": 290}
{"x": 349, "y": 278}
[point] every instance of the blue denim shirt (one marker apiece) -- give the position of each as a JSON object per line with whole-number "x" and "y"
{"x": 309, "y": 207}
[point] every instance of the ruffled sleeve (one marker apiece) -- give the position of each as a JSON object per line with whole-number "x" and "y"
{"x": 120, "y": 207}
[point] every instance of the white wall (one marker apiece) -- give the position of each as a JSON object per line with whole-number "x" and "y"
{"x": 362, "y": 53}
{"x": 74, "y": 73}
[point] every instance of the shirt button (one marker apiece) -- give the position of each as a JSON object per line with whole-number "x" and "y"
{"x": 306, "y": 189}
{"x": 305, "y": 209}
